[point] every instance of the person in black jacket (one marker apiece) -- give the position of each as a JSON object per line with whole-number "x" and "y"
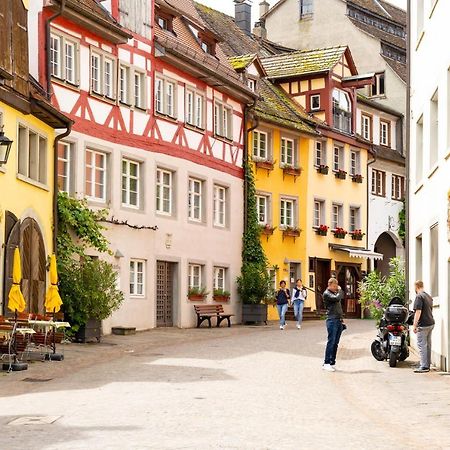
{"x": 283, "y": 297}
{"x": 332, "y": 298}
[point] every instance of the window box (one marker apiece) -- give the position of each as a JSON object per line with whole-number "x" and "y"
{"x": 322, "y": 230}
{"x": 197, "y": 294}
{"x": 292, "y": 232}
{"x": 339, "y": 233}
{"x": 357, "y": 178}
{"x": 357, "y": 235}
{"x": 221, "y": 296}
{"x": 323, "y": 169}
{"x": 264, "y": 164}
{"x": 340, "y": 174}
{"x": 267, "y": 229}
{"x": 292, "y": 170}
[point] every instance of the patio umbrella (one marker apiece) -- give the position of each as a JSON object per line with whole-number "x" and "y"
{"x": 16, "y": 302}
{"x": 53, "y": 300}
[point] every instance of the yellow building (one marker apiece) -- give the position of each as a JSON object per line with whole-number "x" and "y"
{"x": 27, "y": 180}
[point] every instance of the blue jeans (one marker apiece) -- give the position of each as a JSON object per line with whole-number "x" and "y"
{"x": 282, "y": 312}
{"x": 298, "y": 310}
{"x": 334, "y": 329}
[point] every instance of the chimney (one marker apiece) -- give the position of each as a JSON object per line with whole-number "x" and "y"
{"x": 263, "y": 8}
{"x": 260, "y": 30}
{"x": 243, "y": 15}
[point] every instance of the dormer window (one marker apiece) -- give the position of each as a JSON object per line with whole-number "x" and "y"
{"x": 342, "y": 111}
{"x": 207, "y": 44}
{"x": 251, "y": 83}
{"x": 165, "y": 21}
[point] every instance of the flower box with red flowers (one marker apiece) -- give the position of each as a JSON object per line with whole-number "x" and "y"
{"x": 323, "y": 169}
{"x": 340, "y": 174}
{"x": 357, "y": 178}
{"x": 339, "y": 233}
{"x": 292, "y": 232}
{"x": 357, "y": 235}
{"x": 261, "y": 163}
{"x": 322, "y": 230}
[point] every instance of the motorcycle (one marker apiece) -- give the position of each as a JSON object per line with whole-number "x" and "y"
{"x": 392, "y": 341}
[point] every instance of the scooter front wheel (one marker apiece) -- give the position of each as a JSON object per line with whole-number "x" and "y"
{"x": 393, "y": 359}
{"x": 377, "y": 351}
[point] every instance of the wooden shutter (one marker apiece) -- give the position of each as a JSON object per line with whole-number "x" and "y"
{"x": 20, "y": 48}
{"x": 6, "y": 35}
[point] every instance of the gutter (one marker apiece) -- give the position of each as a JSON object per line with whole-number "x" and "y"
{"x": 369, "y": 163}
{"x": 47, "y": 43}
{"x": 407, "y": 149}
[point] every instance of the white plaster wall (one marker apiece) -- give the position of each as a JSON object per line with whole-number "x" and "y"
{"x": 429, "y": 194}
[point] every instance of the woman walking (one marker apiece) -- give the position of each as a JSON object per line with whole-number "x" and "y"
{"x": 299, "y": 295}
{"x": 283, "y": 297}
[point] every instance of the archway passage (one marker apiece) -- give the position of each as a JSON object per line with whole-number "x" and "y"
{"x": 27, "y": 236}
{"x": 387, "y": 247}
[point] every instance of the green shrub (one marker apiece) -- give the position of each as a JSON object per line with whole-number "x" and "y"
{"x": 254, "y": 285}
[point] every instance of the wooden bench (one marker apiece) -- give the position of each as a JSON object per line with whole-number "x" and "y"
{"x": 207, "y": 312}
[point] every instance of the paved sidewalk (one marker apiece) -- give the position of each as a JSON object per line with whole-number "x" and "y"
{"x": 238, "y": 388}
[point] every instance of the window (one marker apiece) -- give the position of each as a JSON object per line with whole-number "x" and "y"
{"x": 64, "y": 58}
{"x": 220, "y": 278}
{"x": 32, "y": 149}
{"x": 124, "y": 83}
{"x": 306, "y": 8}
{"x": 378, "y": 88}
{"x": 315, "y": 102}
{"x": 336, "y": 216}
{"x": 434, "y": 130}
{"x": 251, "y": 83}
{"x": 338, "y": 158}
{"x": 355, "y": 162}
{"x": 207, "y": 47}
{"x": 165, "y": 93}
{"x": 130, "y": 183}
{"x": 164, "y": 180}
{"x": 287, "y": 213}
{"x": 355, "y": 218}
{"x": 273, "y": 279}
{"x": 195, "y": 276}
{"x": 95, "y": 175}
{"x": 220, "y": 204}
{"x": 398, "y": 187}
{"x": 319, "y": 213}
{"x": 260, "y": 145}
{"x": 195, "y": 200}
{"x": 108, "y": 72}
{"x": 319, "y": 157}
{"x": 419, "y": 150}
{"x": 366, "y": 127}
{"x": 385, "y": 133}
{"x": 137, "y": 278}
{"x": 194, "y": 108}
{"x": 378, "y": 183}
{"x": 419, "y": 258}
{"x": 139, "y": 90}
{"x": 95, "y": 73}
{"x": 434, "y": 260}
{"x": 165, "y": 22}
{"x": 223, "y": 116}
{"x": 287, "y": 152}
{"x": 342, "y": 111}
{"x": 65, "y": 155}
{"x": 262, "y": 207}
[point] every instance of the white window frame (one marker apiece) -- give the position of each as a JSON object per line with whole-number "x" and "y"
{"x": 139, "y": 89}
{"x": 337, "y": 216}
{"x": 319, "y": 153}
{"x": 220, "y": 206}
{"x": 62, "y": 57}
{"x": 384, "y": 133}
{"x": 262, "y": 201}
{"x": 378, "y": 186}
{"x": 220, "y": 278}
{"x": 67, "y": 162}
{"x": 195, "y": 211}
{"x": 124, "y": 84}
{"x": 286, "y": 159}
{"x": 223, "y": 120}
{"x": 127, "y": 178}
{"x": 311, "y": 104}
{"x": 375, "y": 90}
{"x": 195, "y": 272}
{"x": 338, "y": 158}
{"x": 109, "y": 78}
{"x": 195, "y": 108}
{"x": 94, "y": 169}
{"x": 397, "y": 187}
{"x": 260, "y": 152}
{"x": 165, "y": 96}
{"x": 366, "y": 127}
{"x": 287, "y": 204}
{"x": 318, "y": 213}
{"x": 137, "y": 289}
{"x": 355, "y": 162}
{"x": 162, "y": 189}
{"x": 101, "y": 85}
{"x": 354, "y": 218}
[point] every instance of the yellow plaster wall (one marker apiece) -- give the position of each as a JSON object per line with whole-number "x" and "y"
{"x": 22, "y": 198}
{"x": 301, "y": 100}
{"x": 317, "y": 83}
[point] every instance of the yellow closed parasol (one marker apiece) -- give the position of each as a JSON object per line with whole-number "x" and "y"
{"x": 53, "y": 300}
{"x": 16, "y": 302}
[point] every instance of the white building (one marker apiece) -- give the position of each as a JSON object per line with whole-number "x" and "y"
{"x": 429, "y": 187}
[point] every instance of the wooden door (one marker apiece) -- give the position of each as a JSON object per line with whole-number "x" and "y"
{"x": 323, "y": 273}
{"x": 12, "y": 239}
{"x": 164, "y": 293}
{"x": 348, "y": 280}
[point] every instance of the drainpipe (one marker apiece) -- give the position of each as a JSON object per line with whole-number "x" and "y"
{"x": 369, "y": 163}
{"x": 55, "y": 182}
{"x": 407, "y": 144}
{"x": 47, "y": 43}
{"x": 246, "y": 135}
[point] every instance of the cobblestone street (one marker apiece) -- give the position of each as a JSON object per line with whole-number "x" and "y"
{"x": 238, "y": 388}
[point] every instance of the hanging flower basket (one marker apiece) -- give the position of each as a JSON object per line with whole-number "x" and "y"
{"x": 267, "y": 229}
{"x": 323, "y": 169}
{"x": 221, "y": 296}
{"x": 197, "y": 294}
{"x": 264, "y": 164}
{"x": 292, "y": 170}
{"x": 357, "y": 235}
{"x": 292, "y": 232}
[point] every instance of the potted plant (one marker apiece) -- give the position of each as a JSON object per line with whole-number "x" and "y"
{"x": 357, "y": 235}
{"x": 263, "y": 163}
{"x": 196, "y": 294}
{"x": 291, "y": 169}
{"x": 339, "y": 233}
{"x": 267, "y": 229}
{"x": 292, "y": 232}
{"x": 322, "y": 230}
{"x": 340, "y": 174}
{"x": 357, "y": 178}
{"x": 323, "y": 169}
{"x": 220, "y": 295}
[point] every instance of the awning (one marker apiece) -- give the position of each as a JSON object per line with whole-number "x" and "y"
{"x": 357, "y": 252}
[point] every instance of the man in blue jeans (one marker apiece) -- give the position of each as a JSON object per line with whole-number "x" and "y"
{"x": 332, "y": 298}
{"x": 283, "y": 298}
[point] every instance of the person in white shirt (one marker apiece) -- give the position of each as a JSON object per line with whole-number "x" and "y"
{"x": 299, "y": 295}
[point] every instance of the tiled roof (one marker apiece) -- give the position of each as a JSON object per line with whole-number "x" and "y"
{"x": 241, "y": 62}
{"x": 389, "y": 154}
{"x": 399, "y": 68}
{"x": 276, "y": 107}
{"x": 363, "y": 99}
{"x": 303, "y": 62}
{"x": 382, "y": 9}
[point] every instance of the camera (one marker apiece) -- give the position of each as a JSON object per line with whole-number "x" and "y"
{"x": 344, "y": 327}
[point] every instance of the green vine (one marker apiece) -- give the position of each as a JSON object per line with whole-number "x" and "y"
{"x": 402, "y": 221}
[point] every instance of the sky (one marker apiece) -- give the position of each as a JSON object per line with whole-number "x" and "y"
{"x": 227, "y": 6}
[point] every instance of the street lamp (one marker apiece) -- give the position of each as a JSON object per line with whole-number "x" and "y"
{"x": 5, "y": 147}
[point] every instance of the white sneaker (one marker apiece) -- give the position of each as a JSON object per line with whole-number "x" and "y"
{"x": 281, "y": 327}
{"x": 298, "y": 326}
{"x": 328, "y": 368}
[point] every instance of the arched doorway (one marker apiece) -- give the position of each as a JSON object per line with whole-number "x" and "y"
{"x": 27, "y": 236}
{"x": 388, "y": 248}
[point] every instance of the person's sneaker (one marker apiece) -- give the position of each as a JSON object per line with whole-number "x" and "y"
{"x": 421, "y": 370}
{"x": 281, "y": 327}
{"x": 298, "y": 326}
{"x": 328, "y": 368}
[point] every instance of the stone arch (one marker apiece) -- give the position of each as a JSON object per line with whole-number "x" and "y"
{"x": 387, "y": 246}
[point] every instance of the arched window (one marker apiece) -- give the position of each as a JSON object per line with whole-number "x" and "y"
{"x": 342, "y": 111}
